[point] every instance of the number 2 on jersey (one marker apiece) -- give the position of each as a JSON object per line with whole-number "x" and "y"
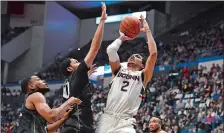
{"x": 125, "y": 84}
{"x": 66, "y": 89}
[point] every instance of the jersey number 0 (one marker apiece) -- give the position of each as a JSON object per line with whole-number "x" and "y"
{"x": 66, "y": 89}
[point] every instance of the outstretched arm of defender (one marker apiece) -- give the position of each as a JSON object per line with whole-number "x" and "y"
{"x": 97, "y": 39}
{"x": 52, "y": 115}
{"x": 151, "y": 61}
{"x": 113, "y": 55}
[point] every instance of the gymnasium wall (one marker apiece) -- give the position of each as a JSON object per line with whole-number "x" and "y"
{"x": 111, "y": 30}
{"x": 17, "y": 46}
{"x": 32, "y": 59}
{"x": 61, "y": 31}
{"x": 33, "y": 15}
{"x": 160, "y": 22}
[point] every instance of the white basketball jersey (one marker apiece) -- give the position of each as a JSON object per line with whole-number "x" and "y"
{"x": 125, "y": 92}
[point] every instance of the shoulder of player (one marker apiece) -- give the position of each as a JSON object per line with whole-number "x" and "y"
{"x": 37, "y": 96}
{"x": 162, "y": 131}
{"x": 83, "y": 64}
{"x": 82, "y": 67}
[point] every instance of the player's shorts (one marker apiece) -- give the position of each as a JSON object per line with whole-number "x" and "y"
{"x": 115, "y": 123}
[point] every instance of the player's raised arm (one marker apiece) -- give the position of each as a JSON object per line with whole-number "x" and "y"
{"x": 151, "y": 61}
{"x": 97, "y": 39}
{"x": 112, "y": 49}
{"x": 51, "y": 115}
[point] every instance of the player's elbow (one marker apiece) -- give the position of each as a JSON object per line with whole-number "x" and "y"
{"x": 112, "y": 54}
{"x": 109, "y": 49}
{"x": 153, "y": 57}
{"x": 153, "y": 54}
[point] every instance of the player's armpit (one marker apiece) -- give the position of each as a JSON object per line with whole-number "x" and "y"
{"x": 115, "y": 67}
{"x": 149, "y": 68}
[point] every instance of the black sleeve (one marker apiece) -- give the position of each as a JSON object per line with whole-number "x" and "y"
{"x": 79, "y": 79}
{"x": 82, "y": 68}
{"x": 142, "y": 77}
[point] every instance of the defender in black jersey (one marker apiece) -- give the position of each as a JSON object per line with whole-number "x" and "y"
{"x": 77, "y": 84}
{"x": 36, "y": 113}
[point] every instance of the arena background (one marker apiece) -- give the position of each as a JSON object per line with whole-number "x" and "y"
{"x": 187, "y": 86}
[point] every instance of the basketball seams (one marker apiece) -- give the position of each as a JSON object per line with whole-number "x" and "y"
{"x": 129, "y": 20}
{"x": 127, "y": 27}
{"x": 131, "y": 26}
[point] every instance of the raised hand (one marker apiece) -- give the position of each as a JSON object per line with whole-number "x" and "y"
{"x": 104, "y": 11}
{"x": 123, "y": 37}
{"x": 145, "y": 25}
{"x": 92, "y": 69}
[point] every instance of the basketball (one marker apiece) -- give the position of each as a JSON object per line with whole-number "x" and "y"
{"x": 130, "y": 26}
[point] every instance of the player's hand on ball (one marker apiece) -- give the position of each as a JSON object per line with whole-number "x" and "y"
{"x": 145, "y": 27}
{"x": 75, "y": 100}
{"x": 123, "y": 37}
{"x": 92, "y": 69}
{"x": 104, "y": 11}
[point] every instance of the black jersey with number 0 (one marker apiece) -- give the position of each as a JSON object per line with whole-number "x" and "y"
{"x": 78, "y": 85}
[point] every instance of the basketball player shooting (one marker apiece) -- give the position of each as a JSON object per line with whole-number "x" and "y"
{"x": 36, "y": 113}
{"x": 77, "y": 84}
{"x": 124, "y": 97}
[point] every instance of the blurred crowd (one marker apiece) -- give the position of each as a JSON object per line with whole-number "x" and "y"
{"x": 11, "y": 101}
{"x": 11, "y": 33}
{"x": 189, "y": 102}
